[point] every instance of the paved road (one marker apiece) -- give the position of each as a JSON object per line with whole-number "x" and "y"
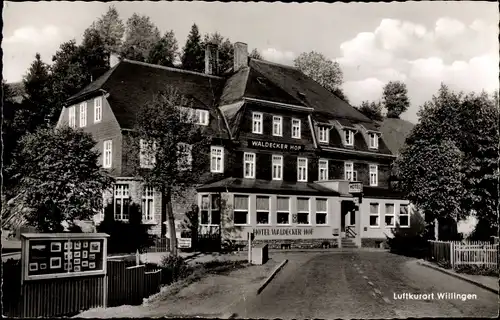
{"x": 361, "y": 284}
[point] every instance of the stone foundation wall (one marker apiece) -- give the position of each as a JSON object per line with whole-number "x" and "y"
{"x": 290, "y": 243}
{"x": 374, "y": 242}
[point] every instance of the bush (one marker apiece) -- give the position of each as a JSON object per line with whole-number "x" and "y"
{"x": 173, "y": 268}
{"x": 477, "y": 270}
{"x": 410, "y": 241}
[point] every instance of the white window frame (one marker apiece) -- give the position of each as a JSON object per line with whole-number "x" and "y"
{"x": 308, "y": 212}
{"x": 251, "y": 164}
{"x": 373, "y": 175}
{"x": 97, "y": 109}
{"x": 296, "y": 124}
{"x": 278, "y": 126}
{"x": 277, "y": 167}
{"x": 322, "y": 212}
{"x": 216, "y": 159}
{"x": 210, "y": 210}
{"x": 268, "y": 211}
{"x": 183, "y": 163}
{"x": 202, "y": 117}
{"x": 146, "y": 160}
{"x": 72, "y": 116}
{"x": 373, "y": 137}
{"x": 241, "y": 210}
{"x": 393, "y": 215}
{"x": 348, "y": 137}
{"x": 323, "y": 134}
{"x": 374, "y": 214}
{"x": 148, "y": 202}
{"x": 300, "y": 177}
{"x": 349, "y": 174}
{"x": 107, "y": 154}
{"x": 282, "y": 211}
{"x": 406, "y": 215}
{"x": 257, "y": 120}
{"x": 121, "y": 191}
{"x": 323, "y": 172}
{"x": 83, "y": 114}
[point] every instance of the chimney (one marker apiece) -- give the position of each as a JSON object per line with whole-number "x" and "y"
{"x": 211, "y": 59}
{"x": 240, "y": 55}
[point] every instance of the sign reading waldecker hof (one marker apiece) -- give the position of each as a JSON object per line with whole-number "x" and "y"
{"x": 275, "y": 145}
{"x": 282, "y": 232}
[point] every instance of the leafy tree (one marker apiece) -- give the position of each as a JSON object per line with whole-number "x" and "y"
{"x": 395, "y": 97}
{"x": 225, "y": 49}
{"x": 110, "y": 29}
{"x": 410, "y": 241}
{"x": 165, "y": 51}
{"x": 256, "y": 55}
{"x": 449, "y": 165}
{"x": 170, "y": 138}
{"x": 141, "y": 35}
{"x": 93, "y": 53}
{"x": 322, "y": 70}
{"x": 372, "y": 110}
{"x": 59, "y": 177}
{"x": 193, "y": 57}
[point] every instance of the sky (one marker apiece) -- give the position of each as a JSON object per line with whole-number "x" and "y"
{"x": 422, "y": 44}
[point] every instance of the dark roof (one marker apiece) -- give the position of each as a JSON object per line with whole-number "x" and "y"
{"x": 257, "y": 185}
{"x": 394, "y": 133}
{"x": 382, "y": 193}
{"x": 131, "y": 84}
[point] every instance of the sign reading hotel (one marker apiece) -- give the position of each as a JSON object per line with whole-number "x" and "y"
{"x": 275, "y": 145}
{"x": 355, "y": 187}
{"x": 60, "y": 255}
{"x": 283, "y": 232}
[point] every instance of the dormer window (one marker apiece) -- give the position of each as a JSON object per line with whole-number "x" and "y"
{"x": 348, "y": 137}
{"x": 323, "y": 134}
{"x": 373, "y": 141}
{"x": 257, "y": 122}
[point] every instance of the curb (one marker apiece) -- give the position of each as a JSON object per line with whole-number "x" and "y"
{"x": 459, "y": 276}
{"x": 229, "y": 316}
{"x": 273, "y": 274}
{"x": 190, "y": 257}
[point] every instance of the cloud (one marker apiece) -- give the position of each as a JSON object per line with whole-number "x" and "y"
{"x": 34, "y": 36}
{"x": 275, "y": 55}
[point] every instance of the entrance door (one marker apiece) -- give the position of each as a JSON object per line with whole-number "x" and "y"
{"x": 347, "y": 219}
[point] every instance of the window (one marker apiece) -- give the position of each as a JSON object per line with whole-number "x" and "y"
{"x": 249, "y": 165}
{"x": 303, "y": 210}
{"x": 241, "y": 209}
{"x": 373, "y": 175}
{"x": 296, "y": 128}
{"x": 184, "y": 156}
{"x": 373, "y": 141}
{"x": 147, "y": 154}
{"x": 202, "y": 116}
{"x": 349, "y": 171}
{"x": 210, "y": 209}
{"x": 148, "y": 196}
{"x": 324, "y": 134}
{"x": 83, "y": 114}
{"x": 97, "y": 109}
{"x": 321, "y": 205}
{"x": 257, "y": 122}
{"x": 283, "y": 210}
{"x": 277, "y": 126}
{"x": 107, "y": 154}
{"x": 217, "y": 159}
{"x": 277, "y": 167}
{"x": 389, "y": 215}
{"x": 374, "y": 214}
{"x": 302, "y": 169}
{"x": 72, "y": 116}
{"x": 121, "y": 201}
{"x": 404, "y": 216}
{"x": 263, "y": 209}
{"x": 323, "y": 170}
{"x": 349, "y": 137}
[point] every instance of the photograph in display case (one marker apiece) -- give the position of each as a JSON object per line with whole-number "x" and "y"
{"x": 55, "y": 247}
{"x": 55, "y": 262}
{"x": 95, "y": 246}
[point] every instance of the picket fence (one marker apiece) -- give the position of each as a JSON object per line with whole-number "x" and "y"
{"x": 459, "y": 253}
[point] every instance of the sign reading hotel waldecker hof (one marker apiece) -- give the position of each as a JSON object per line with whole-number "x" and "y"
{"x": 275, "y": 145}
{"x": 283, "y": 232}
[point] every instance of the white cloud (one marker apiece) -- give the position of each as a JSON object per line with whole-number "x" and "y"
{"x": 275, "y": 55}
{"x": 33, "y": 36}
{"x": 370, "y": 89}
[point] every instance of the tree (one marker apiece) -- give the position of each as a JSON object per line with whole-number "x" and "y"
{"x": 141, "y": 35}
{"x": 169, "y": 139}
{"x": 449, "y": 167}
{"x": 255, "y": 54}
{"x": 110, "y": 29}
{"x": 395, "y": 97}
{"x": 373, "y": 110}
{"x": 193, "y": 57}
{"x": 165, "y": 51}
{"x": 225, "y": 49}
{"x": 321, "y": 69}
{"x": 93, "y": 53}
{"x": 410, "y": 241}
{"x": 60, "y": 178}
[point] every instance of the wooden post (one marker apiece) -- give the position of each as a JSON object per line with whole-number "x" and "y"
{"x": 249, "y": 247}
{"x": 452, "y": 254}
{"x": 137, "y": 258}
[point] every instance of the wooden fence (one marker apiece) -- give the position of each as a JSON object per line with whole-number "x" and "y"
{"x": 159, "y": 245}
{"x": 456, "y": 253}
{"x": 69, "y": 296}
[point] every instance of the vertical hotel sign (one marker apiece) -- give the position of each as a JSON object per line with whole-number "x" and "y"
{"x": 62, "y": 255}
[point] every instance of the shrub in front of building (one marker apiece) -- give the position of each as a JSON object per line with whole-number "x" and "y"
{"x": 410, "y": 241}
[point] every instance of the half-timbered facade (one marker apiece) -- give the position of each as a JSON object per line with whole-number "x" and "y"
{"x": 290, "y": 162}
